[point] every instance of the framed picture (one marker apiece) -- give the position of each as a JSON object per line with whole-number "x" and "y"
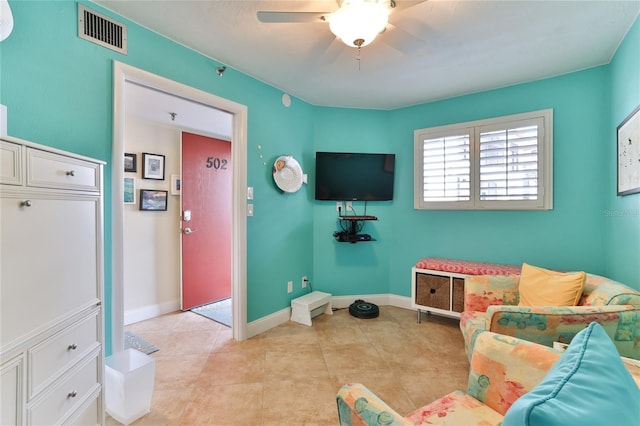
{"x": 175, "y": 184}
{"x": 152, "y": 166}
{"x": 153, "y": 200}
{"x": 628, "y": 136}
{"x": 130, "y": 162}
{"x": 129, "y": 191}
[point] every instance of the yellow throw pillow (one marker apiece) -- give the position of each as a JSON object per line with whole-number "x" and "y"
{"x": 542, "y": 287}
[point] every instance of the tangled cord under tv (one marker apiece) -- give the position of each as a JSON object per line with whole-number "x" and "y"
{"x": 347, "y": 237}
{"x": 352, "y": 232}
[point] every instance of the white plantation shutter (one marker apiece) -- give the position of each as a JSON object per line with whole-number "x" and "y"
{"x": 509, "y": 164}
{"x": 446, "y": 168}
{"x": 502, "y": 163}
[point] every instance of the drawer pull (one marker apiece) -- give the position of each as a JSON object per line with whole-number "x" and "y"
{"x": 72, "y": 394}
{"x": 71, "y": 173}
{"x": 25, "y": 203}
{"x": 72, "y": 347}
{"x": 432, "y": 291}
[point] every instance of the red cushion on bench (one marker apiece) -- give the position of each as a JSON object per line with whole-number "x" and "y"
{"x": 466, "y": 267}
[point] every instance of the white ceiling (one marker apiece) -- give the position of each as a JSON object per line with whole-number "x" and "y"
{"x": 459, "y": 47}
{"x": 174, "y": 111}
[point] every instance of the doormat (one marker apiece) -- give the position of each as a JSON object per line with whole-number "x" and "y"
{"x": 218, "y": 311}
{"x": 138, "y": 343}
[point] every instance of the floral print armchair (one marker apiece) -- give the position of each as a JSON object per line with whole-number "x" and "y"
{"x": 491, "y": 304}
{"x": 502, "y": 369}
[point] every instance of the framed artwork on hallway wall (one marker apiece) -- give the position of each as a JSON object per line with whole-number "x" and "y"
{"x": 129, "y": 191}
{"x": 152, "y": 166}
{"x": 175, "y": 184}
{"x": 628, "y": 138}
{"x": 130, "y": 163}
{"x": 153, "y": 200}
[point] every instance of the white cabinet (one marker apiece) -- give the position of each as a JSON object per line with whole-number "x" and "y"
{"x": 11, "y": 392}
{"x": 51, "y": 273}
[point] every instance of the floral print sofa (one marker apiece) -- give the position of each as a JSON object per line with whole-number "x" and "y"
{"x": 491, "y": 304}
{"x": 502, "y": 369}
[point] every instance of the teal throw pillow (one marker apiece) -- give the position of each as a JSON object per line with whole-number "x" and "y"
{"x": 589, "y": 385}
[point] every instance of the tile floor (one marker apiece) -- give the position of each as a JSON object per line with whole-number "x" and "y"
{"x": 289, "y": 375}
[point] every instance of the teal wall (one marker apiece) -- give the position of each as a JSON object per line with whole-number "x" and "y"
{"x": 362, "y": 268}
{"x": 568, "y": 237}
{"x": 622, "y": 214}
{"x": 571, "y": 236}
{"x": 58, "y": 90}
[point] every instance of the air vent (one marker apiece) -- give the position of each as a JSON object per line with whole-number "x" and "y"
{"x": 101, "y": 30}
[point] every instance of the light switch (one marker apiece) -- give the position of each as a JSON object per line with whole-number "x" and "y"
{"x": 250, "y": 193}
{"x": 249, "y": 209}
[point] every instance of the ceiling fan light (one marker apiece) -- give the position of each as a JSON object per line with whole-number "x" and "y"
{"x": 357, "y": 24}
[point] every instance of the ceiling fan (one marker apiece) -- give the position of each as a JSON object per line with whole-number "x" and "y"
{"x": 356, "y": 22}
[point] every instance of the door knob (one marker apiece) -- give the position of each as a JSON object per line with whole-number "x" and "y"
{"x": 188, "y": 231}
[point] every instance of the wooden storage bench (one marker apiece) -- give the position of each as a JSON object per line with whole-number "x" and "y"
{"x": 437, "y": 285}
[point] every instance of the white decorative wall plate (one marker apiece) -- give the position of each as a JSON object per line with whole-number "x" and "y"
{"x": 287, "y": 174}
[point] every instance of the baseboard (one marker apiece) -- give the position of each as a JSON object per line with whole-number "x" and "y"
{"x": 268, "y": 322}
{"x": 403, "y": 302}
{"x": 151, "y": 311}
{"x": 341, "y": 302}
{"x": 337, "y": 302}
{"x": 272, "y": 320}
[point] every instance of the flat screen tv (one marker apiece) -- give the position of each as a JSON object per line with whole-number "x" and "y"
{"x": 345, "y": 176}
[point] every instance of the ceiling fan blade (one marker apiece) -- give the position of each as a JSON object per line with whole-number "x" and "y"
{"x": 401, "y": 40}
{"x": 292, "y": 17}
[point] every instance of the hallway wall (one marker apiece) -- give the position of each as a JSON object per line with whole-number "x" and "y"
{"x": 152, "y": 239}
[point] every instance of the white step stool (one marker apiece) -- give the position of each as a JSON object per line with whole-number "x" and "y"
{"x": 302, "y": 307}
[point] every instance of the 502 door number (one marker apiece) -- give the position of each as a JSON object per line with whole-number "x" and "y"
{"x": 216, "y": 163}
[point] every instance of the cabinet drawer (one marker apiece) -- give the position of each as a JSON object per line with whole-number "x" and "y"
{"x": 10, "y": 163}
{"x": 49, "y": 170}
{"x": 67, "y": 395}
{"x": 50, "y": 358}
{"x": 88, "y": 414}
{"x": 432, "y": 291}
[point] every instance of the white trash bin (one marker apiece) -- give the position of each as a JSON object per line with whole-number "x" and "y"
{"x": 129, "y": 385}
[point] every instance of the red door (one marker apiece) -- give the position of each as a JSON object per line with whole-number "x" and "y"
{"x": 206, "y": 220}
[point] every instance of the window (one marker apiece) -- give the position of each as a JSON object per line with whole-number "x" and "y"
{"x": 502, "y": 163}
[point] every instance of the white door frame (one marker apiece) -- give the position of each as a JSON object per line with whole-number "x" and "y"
{"x": 121, "y": 74}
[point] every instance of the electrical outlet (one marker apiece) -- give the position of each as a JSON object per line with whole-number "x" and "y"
{"x": 349, "y": 206}
{"x": 290, "y": 287}
{"x": 304, "y": 282}
{"x": 339, "y": 206}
